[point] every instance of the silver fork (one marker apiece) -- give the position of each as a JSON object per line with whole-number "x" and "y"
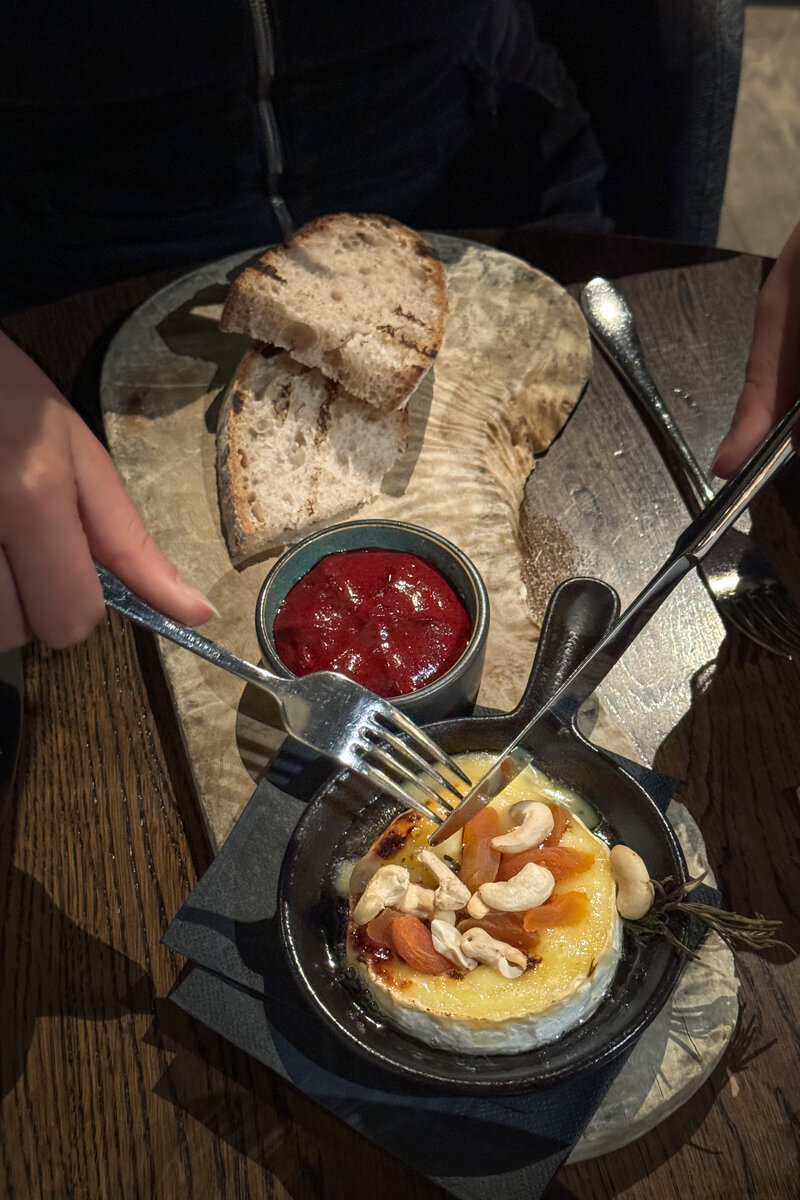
{"x": 737, "y": 572}
{"x": 327, "y": 712}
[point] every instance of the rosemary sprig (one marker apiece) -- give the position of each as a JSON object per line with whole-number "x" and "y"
{"x": 737, "y": 931}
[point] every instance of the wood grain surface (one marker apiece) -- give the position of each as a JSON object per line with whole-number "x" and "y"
{"x": 514, "y": 362}
{"x": 108, "y": 1092}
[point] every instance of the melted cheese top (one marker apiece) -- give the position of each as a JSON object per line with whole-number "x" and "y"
{"x": 568, "y": 957}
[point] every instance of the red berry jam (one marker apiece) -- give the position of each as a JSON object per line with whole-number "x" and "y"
{"x": 387, "y": 619}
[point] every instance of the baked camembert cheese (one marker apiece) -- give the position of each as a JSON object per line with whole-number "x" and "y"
{"x": 502, "y": 938}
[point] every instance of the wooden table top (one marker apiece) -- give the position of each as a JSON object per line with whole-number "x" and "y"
{"x": 107, "y": 1090}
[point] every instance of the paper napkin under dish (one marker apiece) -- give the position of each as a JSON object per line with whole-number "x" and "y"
{"x": 505, "y": 1148}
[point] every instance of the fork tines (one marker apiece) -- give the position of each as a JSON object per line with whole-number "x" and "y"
{"x": 771, "y": 621}
{"x": 784, "y": 619}
{"x": 393, "y": 765}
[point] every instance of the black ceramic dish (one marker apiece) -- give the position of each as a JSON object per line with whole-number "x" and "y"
{"x": 342, "y": 821}
{"x": 453, "y": 692}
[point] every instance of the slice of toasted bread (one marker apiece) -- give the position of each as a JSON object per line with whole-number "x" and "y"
{"x": 294, "y": 449}
{"x": 360, "y": 297}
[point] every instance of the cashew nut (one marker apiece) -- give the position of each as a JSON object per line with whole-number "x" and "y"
{"x": 537, "y": 824}
{"x": 529, "y": 888}
{"x": 451, "y": 892}
{"x": 508, "y": 960}
{"x": 447, "y": 940}
{"x": 445, "y": 914}
{"x": 476, "y": 908}
{"x": 418, "y": 902}
{"x": 387, "y": 887}
{"x": 635, "y": 892}
{"x": 518, "y": 810}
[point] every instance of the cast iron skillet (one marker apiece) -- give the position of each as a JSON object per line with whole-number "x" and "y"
{"x": 343, "y": 819}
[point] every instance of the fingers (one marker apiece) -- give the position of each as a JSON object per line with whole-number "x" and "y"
{"x": 119, "y": 540}
{"x": 65, "y": 506}
{"x": 772, "y": 378}
{"x": 46, "y": 551}
{"x": 14, "y": 631}
{"x": 756, "y": 413}
{"x": 62, "y": 505}
{"x": 48, "y": 586}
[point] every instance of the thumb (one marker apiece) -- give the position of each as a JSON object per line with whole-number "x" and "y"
{"x": 119, "y": 540}
{"x": 756, "y": 413}
{"x": 772, "y": 376}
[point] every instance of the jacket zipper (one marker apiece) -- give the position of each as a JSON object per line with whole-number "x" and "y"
{"x": 265, "y": 61}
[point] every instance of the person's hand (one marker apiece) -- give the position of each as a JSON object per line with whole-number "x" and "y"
{"x": 62, "y": 504}
{"x": 772, "y": 378}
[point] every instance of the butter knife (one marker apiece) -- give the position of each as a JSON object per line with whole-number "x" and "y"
{"x": 692, "y": 546}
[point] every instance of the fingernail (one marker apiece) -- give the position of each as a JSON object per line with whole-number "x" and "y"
{"x": 194, "y": 593}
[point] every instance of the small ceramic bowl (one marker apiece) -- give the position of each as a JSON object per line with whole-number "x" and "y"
{"x": 454, "y": 693}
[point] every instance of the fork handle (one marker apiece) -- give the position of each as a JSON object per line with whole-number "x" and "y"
{"x": 691, "y": 548}
{"x": 611, "y": 322}
{"x": 121, "y": 598}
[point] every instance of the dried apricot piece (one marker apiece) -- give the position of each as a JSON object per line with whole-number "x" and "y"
{"x": 560, "y": 823}
{"x": 479, "y": 859}
{"x": 561, "y": 861}
{"x": 506, "y": 927}
{"x": 566, "y": 908}
{"x": 379, "y": 929}
{"x": 413, "y": 943}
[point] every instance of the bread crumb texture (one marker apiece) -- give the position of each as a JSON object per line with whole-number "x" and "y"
{"x": 295, "y": 448}
{"x": 360, "y": 297}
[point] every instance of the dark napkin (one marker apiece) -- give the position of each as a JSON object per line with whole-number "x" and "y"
{"x": 474, "y": 1147}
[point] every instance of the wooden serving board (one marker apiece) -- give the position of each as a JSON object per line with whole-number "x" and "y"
{"x": 599, "y": 502}
{"x": 515, "y": 359}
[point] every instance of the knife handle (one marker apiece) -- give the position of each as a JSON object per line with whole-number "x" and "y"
{"x": 737, "y": 494}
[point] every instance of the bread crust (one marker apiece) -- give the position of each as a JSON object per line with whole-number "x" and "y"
{"x": 265, "y": 301}
{"x": 256, "y": 519}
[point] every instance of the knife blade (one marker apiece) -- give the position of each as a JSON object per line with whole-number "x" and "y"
{"x": 556, "y": 717}
{"x": 695, "y": 542}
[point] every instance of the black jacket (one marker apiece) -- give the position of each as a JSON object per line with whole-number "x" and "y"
{"x": 134, "y": 136}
